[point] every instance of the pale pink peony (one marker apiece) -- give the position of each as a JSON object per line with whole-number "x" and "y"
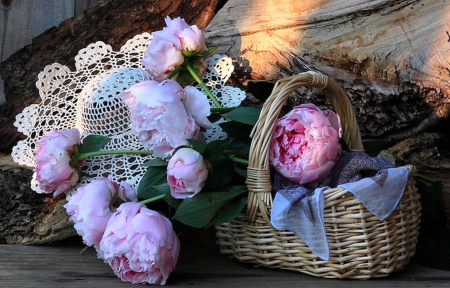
{"x": 197, "y": 105}
{"x": 140, "y": 245}
{"x": 190, "y": 38}
{"x": 186, "y": 173}
{"x": 54, "y": 170}
{"x": 161, "y": 58}
{"x": 305, "y": 144}
{"x": 165, "y": 51}
{"x": 158, "y": 116}
{"x": 91, "y": 207}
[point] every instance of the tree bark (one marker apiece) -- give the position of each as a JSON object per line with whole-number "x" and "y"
{"x": 391, "y": 57}
{"x": 28, "y": 217}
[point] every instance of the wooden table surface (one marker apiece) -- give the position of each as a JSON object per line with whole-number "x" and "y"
{"x": 65, "y": 266}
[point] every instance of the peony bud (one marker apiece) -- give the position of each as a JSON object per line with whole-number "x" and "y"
{"x": 186, "y": 173}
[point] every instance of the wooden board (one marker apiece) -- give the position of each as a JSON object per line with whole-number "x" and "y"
{"x": 68, "y": 266}
{"x": 21, "y": 21}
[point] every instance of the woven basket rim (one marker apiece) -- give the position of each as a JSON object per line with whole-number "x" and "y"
{"x": 258, "y": 171}
{"x": 361, "y": 246}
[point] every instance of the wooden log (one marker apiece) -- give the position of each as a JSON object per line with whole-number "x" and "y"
{"x": 391, "y": 57}
{"x": 30, "y": 218}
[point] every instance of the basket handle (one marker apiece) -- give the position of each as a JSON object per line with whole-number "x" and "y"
{"x": 258, "y": 172}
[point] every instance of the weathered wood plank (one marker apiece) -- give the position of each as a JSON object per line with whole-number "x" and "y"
{"x": 23, "y": 20}
{"x": 81, "y": 5}
{"x": 61, "y": 266}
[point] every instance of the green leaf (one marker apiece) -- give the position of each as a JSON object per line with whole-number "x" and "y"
{"x": 240, "y": 171}
{"x": 237, "y": 131}
{"x": 199, "y": 210}
{"x": 157, "y": 162}
{"x": 174, "y": 203}
{"x": 246, "y": 115}
{"x": 215, "y": 148}
{"x": 214, "y": 117}
{"x": 153, "y": 183}
{"x": 222, "y": 174}
{"x": 197, "y": 145}
{"x": 209, "y": 52}
{"x": 93, "y": 143}
{"x": 229, "y": 211}
{"x": 260, "y": 89}
{"x": 239, "y": 148}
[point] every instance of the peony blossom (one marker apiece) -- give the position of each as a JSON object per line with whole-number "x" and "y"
{"x": 140, "y": 245}
{"x": 188, "y": 38}
{"x": 161, "y": 58}
{"x": 186, "y": 173}
{"x": 91, "y": 207}
{"x": 165, "y": 51}
{"x": 305, "y": 144}
{"x": 197, "y": 105}
{"x": 54, "y": 170}
{"x": 158, "y": 117}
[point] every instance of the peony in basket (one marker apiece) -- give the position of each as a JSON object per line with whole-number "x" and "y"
{"x": 360, "y": 245}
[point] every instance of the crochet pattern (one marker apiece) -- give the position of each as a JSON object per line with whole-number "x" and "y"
{"x": 89, "y": 99}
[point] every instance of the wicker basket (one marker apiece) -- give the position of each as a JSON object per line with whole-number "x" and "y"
{"x": 361, "y": 246}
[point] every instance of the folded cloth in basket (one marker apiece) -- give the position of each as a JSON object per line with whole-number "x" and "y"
{"x": 373, "y": 181}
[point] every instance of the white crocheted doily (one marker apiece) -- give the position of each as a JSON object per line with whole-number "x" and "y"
{"x": 88, "y": 99}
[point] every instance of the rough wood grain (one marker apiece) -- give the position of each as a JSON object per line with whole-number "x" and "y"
{"x": 390, "y": 56}
{"x": 28, "y": 217}
{"x": 62, "y": 266}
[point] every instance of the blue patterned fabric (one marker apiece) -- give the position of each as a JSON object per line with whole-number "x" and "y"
{"x": 373, "y": 181}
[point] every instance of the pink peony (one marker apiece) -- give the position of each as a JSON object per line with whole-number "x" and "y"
{"x": 91, "y": 207}
{"x": 165, "y": 51}
{"x": 54, "y": 170}
{"x": 140, "y": 245}
{"x": 161, "y": 58}
{"x": 188, "y": 38}
{"x": 158, "y": 116}
{"x": 186, "y": 173}
{"x": 305, "y": 144}
{"x": 197, "y": 105}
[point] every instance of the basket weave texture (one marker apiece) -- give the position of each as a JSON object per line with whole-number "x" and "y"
{"x": 361, "y": 246}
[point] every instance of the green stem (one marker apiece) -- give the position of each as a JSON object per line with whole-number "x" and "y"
{"x": 425, "y": 177}
{"x": 238, "y": 160}
{"x": 82, "y": 156}
{"x": 200, "y": 82}
{"x": 174, "y": 72}
{"x": 146, "y": 201}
